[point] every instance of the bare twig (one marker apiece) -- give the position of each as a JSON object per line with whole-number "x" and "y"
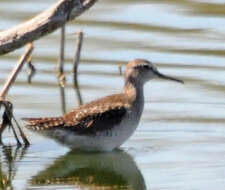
{"x": 15, "y": 71}
{"x": 42, "y": 24}
{"x": 76, "y": 63}
{"x": 61, "y": 75}
{"x": 62, "y": 52}
{"x": 31, "y": 69}
{"x": 6, "y": 117}
{"x": 8, "y": 113}
{"x": 15, "y": 135}
{"x": 7, "y": 120}
{"x": 77, "y": 53}
{"x": 22, "y": 134}
{"x": 63, "y": 100}
{"x": 120, "y": 64}
{"x": 120, "y": 70}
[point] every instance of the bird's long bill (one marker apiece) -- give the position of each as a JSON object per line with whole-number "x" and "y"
{"x": 162, "y": 76}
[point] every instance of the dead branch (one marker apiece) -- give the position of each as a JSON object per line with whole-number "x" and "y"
{"x": 15, "y": 71}
{"x": 7, "y": 120}
{"x": 8, "y": 113}
{"x": 42, "y": 24}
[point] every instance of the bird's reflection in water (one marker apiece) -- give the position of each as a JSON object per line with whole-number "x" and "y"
{"x": 112, "y": 171}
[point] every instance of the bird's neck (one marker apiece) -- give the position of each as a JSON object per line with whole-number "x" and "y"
{"x": 134, "y": 92}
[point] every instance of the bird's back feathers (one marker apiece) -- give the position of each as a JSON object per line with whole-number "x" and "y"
{"x": 90, "y": 118}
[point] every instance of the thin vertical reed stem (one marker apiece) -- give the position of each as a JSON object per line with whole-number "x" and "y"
{"x": 62, "y": 52}
{"x": 61, "y": 74}
{"x": 76, "y": 61}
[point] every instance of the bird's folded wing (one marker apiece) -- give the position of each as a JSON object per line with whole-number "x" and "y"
{"x": 81, "y": 121}
{"x": 95, "y": 116}
{"x": 92, "y": 120}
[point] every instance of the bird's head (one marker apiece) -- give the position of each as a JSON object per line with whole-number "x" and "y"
{"x": 141, "y": 71}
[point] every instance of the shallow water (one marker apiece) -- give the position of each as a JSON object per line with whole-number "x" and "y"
{"x": 180, "y": 141}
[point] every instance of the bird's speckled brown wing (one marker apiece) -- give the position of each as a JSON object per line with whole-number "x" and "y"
{"x": 90, "y": 118}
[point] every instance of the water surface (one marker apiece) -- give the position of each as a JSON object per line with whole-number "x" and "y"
{"x": 180, "y": 141}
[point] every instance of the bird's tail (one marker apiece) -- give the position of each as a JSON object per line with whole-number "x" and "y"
{"x": 43, "y": 123}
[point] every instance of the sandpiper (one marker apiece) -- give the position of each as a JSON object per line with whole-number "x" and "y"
{"x": 106, "y": 123}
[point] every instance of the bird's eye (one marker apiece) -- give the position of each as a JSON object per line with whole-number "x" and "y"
{"x": 146, "y": 67}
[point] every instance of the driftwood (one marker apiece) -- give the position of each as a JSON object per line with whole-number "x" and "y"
{"x": 42, "y": 24}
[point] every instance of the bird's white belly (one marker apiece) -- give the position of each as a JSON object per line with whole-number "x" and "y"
{"x": 105, "y": 140}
